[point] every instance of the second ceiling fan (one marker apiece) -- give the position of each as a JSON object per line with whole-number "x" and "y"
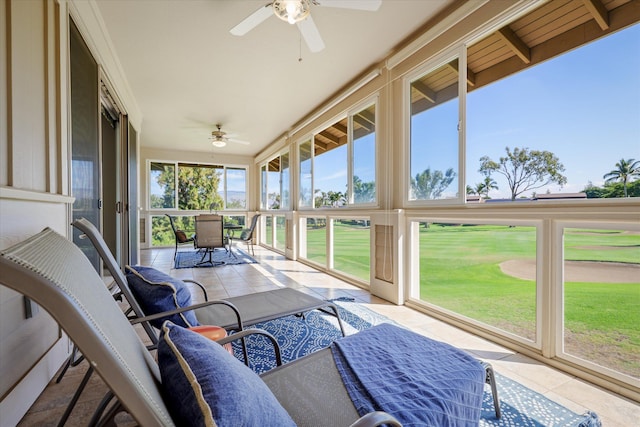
{"x": 299, "y": 12}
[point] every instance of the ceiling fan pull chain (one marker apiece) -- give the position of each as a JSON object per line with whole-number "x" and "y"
{"x": 299, "y": 48}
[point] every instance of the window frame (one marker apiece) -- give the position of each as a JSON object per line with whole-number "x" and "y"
{"x": 413, "y": 273}
{"x": 459, "y": 52}
{"x": 557, "y": 300}
{"x": 264, "y": 181}
{"x": 373, "y": 100}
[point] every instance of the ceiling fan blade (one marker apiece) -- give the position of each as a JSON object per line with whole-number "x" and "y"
{"x": 310, "y": 34}
{"x": 370, "y": 5}
{"x": 252, "y": 21}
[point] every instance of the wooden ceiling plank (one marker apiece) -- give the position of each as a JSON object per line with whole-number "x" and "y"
{"x": 515, "y": 43}
{"x": 424, "y": 90}
{"x": 599, "y": 13}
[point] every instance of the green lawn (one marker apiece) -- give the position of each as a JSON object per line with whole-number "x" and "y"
{"x": 459, "y": 270}
{"x": 351, "y": 248}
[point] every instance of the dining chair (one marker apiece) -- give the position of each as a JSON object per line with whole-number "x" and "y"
{"x": 180, "y": 236}
{"x": 209, "y": 236}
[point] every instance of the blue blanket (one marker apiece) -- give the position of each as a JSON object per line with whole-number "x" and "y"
{"x": 420, "y": 381}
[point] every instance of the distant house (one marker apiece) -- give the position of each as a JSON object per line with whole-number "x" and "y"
{"x": 560, "y": 196}
{"x": 474, "y": 198}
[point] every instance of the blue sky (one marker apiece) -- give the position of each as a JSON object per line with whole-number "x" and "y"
{"x": 583, "y": 106}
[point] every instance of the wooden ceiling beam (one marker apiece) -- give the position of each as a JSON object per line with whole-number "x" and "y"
{"x": 319, "y": 146}
{"x": 471, "y": 76}
{"x": 599, "y": 12}
{"x": 331, "y": 138}
{"x": 340, "y": 128}
{"x": 425, "y": 91}
{"x": 515, "y": 43}
{"x": 368, "y": 116}
{"x": 366, "y": 124}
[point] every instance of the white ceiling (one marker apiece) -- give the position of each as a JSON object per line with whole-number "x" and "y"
{"x": 187, "y": 72}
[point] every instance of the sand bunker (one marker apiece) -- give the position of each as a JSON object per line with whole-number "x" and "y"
{"x": 578, "y": 271}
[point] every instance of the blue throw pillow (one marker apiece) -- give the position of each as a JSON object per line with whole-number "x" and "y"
{"x": 156, "y": 292}
{"x": 202, "y": 382}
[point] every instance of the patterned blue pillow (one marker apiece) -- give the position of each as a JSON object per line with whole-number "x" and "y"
{"x": 156, "y": 292}
{"x": 202, "y": 383}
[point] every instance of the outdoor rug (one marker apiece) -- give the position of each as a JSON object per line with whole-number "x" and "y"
{"x": 192, "y": 258}
{"x": 297, "y": 337}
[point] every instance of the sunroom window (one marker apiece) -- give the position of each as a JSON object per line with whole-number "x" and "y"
{"x": 274, "y": 182}
{"x": 338, "y": 166}
{"x": 433, "y": 172}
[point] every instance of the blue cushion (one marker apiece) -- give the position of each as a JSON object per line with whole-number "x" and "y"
{"x": 202, "y": 382}
{"x": 156, "y": 292}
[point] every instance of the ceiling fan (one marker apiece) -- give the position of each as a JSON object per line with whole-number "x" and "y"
{"x": 219, "y": 138}
{"x": 299, "y": 12}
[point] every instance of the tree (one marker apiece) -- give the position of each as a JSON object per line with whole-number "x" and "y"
{"x": 525, "y": 169}
{"x": 625, "y": 171}
{"x": 363, "y": 192}
{"x": 479, "y": 189}
{"x": 427, "y": 185}
{"x": 331, "y": 198}
{"x": 488, "y": 185}
{"x": 197, "y": 187}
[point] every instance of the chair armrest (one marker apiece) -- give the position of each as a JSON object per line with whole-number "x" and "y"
{"x": 191, "y": 307}
{"x": 204, "y": 291}
{"x": 242, "y": 334}
{"x": 377, "y": 418}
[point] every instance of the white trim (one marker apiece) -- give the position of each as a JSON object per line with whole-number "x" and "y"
{"x": 517, "y": 10}
{"x": 34, "y": 196}
{"x": 438, "y": 29}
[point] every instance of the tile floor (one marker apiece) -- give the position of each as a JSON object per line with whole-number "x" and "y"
{"x": 275, "y": 271}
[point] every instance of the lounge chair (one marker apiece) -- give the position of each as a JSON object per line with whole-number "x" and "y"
{"x": 230, "y": 313}
{"x": 54, "y": 273}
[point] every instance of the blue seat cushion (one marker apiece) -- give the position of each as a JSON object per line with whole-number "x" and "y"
{"x": 156, "y": 292}
{"x": 202, "y": 382}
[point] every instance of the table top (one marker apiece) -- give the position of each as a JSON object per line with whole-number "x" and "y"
{"x": 233, "y": 227}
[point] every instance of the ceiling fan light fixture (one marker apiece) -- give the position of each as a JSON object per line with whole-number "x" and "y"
{"x": 291, "y": 11}
{"x": 218, "y": 143}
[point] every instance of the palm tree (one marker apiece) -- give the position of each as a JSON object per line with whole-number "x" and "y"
{"x": 625, "y": 172}
{"x": 488, "y": 185}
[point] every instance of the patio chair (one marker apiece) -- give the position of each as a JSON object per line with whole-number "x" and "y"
{"x": 209, "y": 236}
{"x": 246, "y": 235}
{"x": 53, "y": 272}
{"x": 179, "y": 235}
